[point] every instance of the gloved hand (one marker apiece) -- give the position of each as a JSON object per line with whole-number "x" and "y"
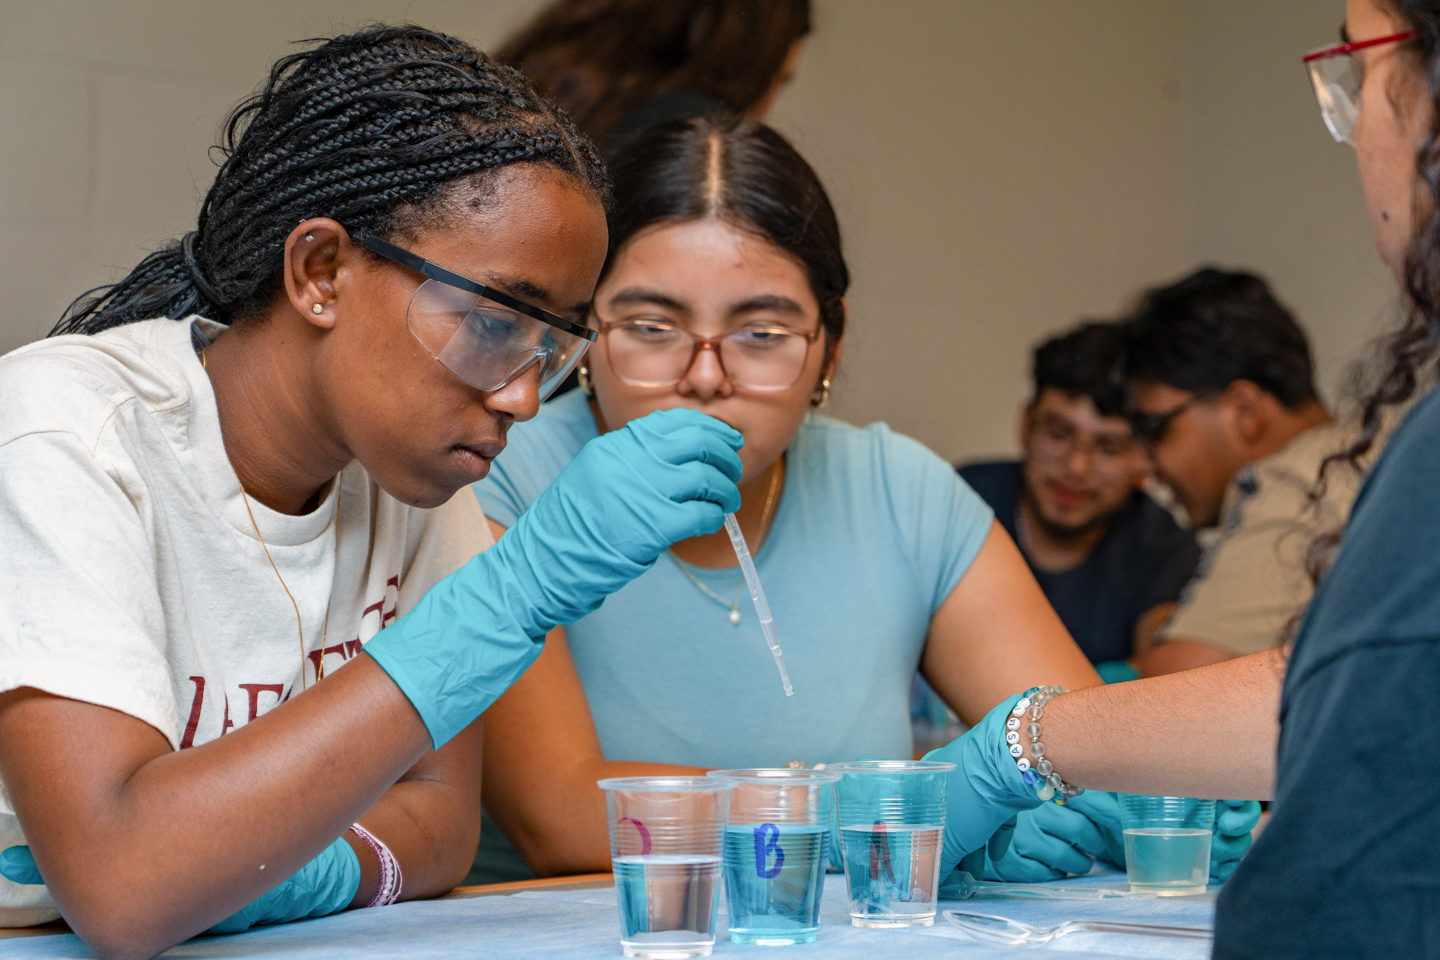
{"x": 1234, "y": 819}
{"x": 985, "y": 789}
{"x": 323, "y": 886}
{"x": 625, "y": 498}
{"x": 1052, "y": 841}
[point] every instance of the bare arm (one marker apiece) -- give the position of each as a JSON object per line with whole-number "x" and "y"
{"x": 143, "y": 846}
{"x": 1172, "y": 656}
{"x": 1149, "y": 622}
{"x": 542, "y": 758}
{"x": 996, "y": 634}
{"x": 1210, "y": 732}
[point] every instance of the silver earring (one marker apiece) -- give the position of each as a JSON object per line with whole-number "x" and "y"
{"x": 582, "y": 374}
{"x": 317, "y": 308}
{"x": 309, "y": 237}
{"x": 821, "y": 396}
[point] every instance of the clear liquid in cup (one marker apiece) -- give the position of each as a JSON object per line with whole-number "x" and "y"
{"x": 1168, "y": 861}
{"x": 774, "y": 875}
{"x": 893, "y": 872}
{"x": 668, "y": 904}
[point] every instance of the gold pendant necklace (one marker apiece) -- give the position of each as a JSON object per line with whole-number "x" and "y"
{"x": 734, "y": 603}
{"x": 299, "y": 623}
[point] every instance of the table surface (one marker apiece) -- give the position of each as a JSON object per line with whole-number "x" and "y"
{"x": 576, "y": 917}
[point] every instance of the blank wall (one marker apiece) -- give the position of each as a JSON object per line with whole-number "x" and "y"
{"x": 1001, "y": 170}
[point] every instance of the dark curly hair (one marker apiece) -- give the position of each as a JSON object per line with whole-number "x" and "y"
{"x": 1088, "y": 361}
{"x": 1404, "y": 360}
{"x": 376, "y": 130}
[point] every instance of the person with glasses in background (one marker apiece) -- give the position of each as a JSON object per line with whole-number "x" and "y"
{"x": 1224, "y": 400}
{"x": 1111, "y": 561}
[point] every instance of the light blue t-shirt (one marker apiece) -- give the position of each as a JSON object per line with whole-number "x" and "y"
{"x": 871, "y": 533}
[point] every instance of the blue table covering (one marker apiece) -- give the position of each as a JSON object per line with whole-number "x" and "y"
{"x": 584, "y": 923}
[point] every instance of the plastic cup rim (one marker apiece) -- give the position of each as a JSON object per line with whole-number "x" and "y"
{"x": 754, "y": 775}
{"x": 666, "y": 784}
{"x": 891, "y": 766}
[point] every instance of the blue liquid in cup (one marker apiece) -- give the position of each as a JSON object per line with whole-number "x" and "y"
{"x": 668, "y": 904}
{"x": 893, "y": 872}
{"x": 774, "y": 875}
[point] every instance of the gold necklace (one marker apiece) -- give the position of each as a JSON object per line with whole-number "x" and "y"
{"x": 734, "y": 603}
{"x": 299, "y": 623}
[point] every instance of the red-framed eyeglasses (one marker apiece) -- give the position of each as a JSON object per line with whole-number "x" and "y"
{"x": 1336, "y": 78}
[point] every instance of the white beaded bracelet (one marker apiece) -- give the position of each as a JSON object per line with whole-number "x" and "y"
{"x": 392, "y": 881}
{"x": 1042, "y": 771}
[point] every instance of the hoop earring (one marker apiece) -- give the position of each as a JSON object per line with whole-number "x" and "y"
{"x": 582, "y": 374}
{"x": 821, "y": 396}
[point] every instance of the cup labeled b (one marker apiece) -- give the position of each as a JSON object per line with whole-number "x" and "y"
{"x": 776, "y": 851}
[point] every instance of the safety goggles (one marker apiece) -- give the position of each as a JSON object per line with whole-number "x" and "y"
{"x": 484, "y": 336}
{"x": 1336, "y": 78}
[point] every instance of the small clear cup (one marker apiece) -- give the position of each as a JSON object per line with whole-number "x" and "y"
{"x": 1167, "y": 843}
{"x": 892, "y": 828}
{"x": 776, "y": 851}
{"x": 666, "y": 836}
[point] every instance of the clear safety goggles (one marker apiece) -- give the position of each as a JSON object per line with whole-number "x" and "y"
{"x": 1336, "y": 78}
{"x": 484, "y": 336}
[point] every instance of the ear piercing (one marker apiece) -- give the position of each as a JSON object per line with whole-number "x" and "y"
{"x": 309, "y": 237}
{"x": 317, "y": 308}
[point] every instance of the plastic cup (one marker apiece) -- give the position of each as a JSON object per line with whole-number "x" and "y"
{"x": 1167, "y": 843}
{"x": 892, "y": 825}
{"x": 776, "y": 852}
{"x": 666, "y": 836}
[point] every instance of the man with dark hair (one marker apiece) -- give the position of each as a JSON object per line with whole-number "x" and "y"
{"x": 1223, "y": 397}
{"x": 1111, "y": 561}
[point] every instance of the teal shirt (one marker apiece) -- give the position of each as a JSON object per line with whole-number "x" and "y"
{"x": 870, "y": 535}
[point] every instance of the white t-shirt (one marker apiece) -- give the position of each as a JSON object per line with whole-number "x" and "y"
{"x": 134, "y": 577}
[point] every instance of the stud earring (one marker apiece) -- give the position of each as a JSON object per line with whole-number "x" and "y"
{"x": 582, "y": 374}
{"x": 317, "y": 308}
{"x": 821, "y": 396}
{"x": 309, "y": 237}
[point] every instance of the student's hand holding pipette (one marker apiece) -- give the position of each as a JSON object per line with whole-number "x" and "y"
{"x": 622, "y": 502}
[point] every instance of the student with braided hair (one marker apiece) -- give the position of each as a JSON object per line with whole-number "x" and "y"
{"x": 233, "y": 688}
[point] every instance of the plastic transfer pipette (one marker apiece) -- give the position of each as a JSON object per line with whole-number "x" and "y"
{"x": 757, "y": 593}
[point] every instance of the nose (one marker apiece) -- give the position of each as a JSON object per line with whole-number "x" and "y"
{"x": 520, "y": 398}
{"x": 705, "y": 377}
{"x": 1080, "y": 459}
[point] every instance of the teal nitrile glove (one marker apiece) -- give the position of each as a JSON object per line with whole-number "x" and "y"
{"x": 18, "y": 866}
{"x": 1052, "y": 841}
{"x": 323, "y": 886}
{"x": 1116, "y": 671}
{"x": 625, "y": 498}
{"x": 984, "y": 790}
{"x": 1234, "y": 819}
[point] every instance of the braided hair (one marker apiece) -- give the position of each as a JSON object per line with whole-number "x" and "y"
{"x": 376, "y": 130}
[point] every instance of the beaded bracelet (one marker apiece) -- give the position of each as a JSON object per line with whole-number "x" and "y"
{"x": 392, "y": 881}
{"x": 1032, "y": 705}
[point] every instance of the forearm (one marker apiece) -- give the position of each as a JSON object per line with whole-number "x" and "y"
{"x": 1210, "y": 732}
{"x": 560, "y": 827}
{"x": 1173, "y": 656}
{"x": 431, "y": 826}
{"x": 189, "y": 837}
